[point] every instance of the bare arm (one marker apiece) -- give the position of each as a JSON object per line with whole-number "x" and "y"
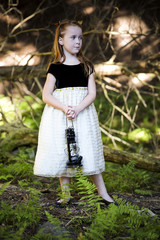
{"x": 47, "y": 94}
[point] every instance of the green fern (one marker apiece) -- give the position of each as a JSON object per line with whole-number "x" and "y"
{"x": 143, "y": 192}
{"x": 104, "y": 221}
{"x": 4, "y": 186}
{"x": 90, "y": 198}
{"x": 127, "y": 219}
{"x": 16, "y": 220}
{"x": 66, "y": 191}
{"x": 42, "y": 236}
{"x": 126, "y": 178}
{"x": 28, "y": 212}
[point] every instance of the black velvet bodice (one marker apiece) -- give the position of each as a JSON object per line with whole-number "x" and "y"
{"x": 69, "y": 75}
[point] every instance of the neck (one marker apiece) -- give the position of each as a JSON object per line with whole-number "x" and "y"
{"x": 70, "y": 59}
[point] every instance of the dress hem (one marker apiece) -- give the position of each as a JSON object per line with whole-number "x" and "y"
{"x": 73, "y": 175}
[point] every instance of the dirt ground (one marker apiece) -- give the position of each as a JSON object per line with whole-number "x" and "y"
{"x": 14, "y": 195}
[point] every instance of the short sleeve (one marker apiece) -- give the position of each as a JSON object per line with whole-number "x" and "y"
{"x": 51, "y": 69}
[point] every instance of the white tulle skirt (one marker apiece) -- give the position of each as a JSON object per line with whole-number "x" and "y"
{"x": 51, "y": 156}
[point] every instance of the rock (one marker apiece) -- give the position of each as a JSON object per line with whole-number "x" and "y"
{"x": 57, "y": 231}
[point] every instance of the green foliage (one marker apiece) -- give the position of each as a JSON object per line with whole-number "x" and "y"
{"x": 143, "y": 192}
{"x": 29, "y": 212}
{"x": 29, "y": 111}
{"x": 127, "y": 219}
{"x": 23, "y": 215}
{"x": 101, "y": 105}
{"x": 66, "y": 191}
{"x": 114, "y": 222}
{"x": 5, "y": 185}
{"x": 23, "y": 153}
{"x": 18, "y": 167}
{"x": 17, "y": 170}
{"x": 87, "y": 189}
{"x": 100, "y": 223}
{"x": 143, "y": 133}
{"x": 126, "y": 178}
{"x": 40, "y": 235}
{"x": 21, "y": 169}
{"x": 60, "y": 233}
{"x": 140, "y": 134}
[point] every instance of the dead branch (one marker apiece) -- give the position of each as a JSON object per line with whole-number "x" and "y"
{"x": 19, "y": 135}
{"x": 142, "y": 161}
{"x": 104, "y": 69}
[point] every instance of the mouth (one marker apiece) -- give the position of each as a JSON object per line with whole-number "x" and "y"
{"x": 77, "y": 48}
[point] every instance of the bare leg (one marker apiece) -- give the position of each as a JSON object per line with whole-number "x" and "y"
{"x": 65, "y": 185}
{"x": 98, "y": 181}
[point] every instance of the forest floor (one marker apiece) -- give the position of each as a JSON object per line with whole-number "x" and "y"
{"x": 14, "y": 195}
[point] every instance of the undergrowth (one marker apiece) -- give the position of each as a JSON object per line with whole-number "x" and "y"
{"x": 114, "y": 222}
{"x": 87, "y": 189}
{"x": 126, "y": 220}
{"x": 14, "y": 220}
{"x": 126, "y": 178}
{"x": 98, "y": 222}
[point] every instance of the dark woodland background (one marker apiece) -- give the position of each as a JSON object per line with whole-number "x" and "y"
{"x": 121, "y": 38}
{"x": 126, "y": 29}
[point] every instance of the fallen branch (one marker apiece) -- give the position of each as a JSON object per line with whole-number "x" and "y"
{"x": 146, "y": 162}
{"x": 19, "y": 135}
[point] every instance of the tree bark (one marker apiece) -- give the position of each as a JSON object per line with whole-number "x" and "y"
{"x": 142, "y": 161}
{"x": 17, "y": 136}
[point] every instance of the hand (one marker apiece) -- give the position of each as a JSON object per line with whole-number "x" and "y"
{"x": 73, "y": 112}
{"x": 69, "y": 113}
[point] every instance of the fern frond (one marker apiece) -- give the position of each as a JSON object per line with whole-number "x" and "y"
{"x": 4, "y": 186}
{"x": 88, "y": 190}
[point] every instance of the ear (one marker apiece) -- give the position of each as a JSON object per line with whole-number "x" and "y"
{"x": 60, "y": 40}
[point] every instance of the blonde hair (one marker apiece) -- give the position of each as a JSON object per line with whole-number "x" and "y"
{"x": 58, "y": 49}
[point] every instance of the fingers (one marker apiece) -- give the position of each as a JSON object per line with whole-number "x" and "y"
{"x": 70, "y": 114}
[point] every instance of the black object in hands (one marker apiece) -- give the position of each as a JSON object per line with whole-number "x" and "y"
{"x": 72, "y": 149}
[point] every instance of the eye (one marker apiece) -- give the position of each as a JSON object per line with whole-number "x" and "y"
{"x": 80, "y": 38}
{"x": 73, "y": 37}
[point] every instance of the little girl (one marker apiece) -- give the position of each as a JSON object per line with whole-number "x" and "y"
{"x": 69, "y": 93}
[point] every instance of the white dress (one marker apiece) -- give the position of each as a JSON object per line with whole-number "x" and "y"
{"x": 51, "y": 156}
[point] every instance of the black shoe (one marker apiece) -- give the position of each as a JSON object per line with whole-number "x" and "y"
{"x": 107, "y": 203}
{"x": 62, "y": 204}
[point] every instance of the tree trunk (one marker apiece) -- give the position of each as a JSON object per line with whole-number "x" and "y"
{"x": 142, "y": 161}
{"x": 17, "y": 135}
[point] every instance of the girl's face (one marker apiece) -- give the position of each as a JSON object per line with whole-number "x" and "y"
{"x": 72, "y": 40}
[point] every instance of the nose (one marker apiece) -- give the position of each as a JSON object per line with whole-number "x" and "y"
{"x": 77, "y": 41}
